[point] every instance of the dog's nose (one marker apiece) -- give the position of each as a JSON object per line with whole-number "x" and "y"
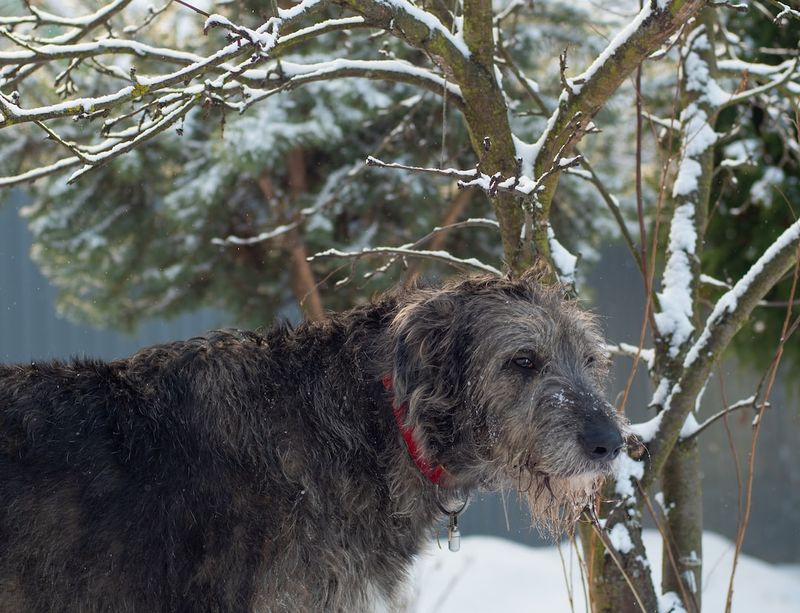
{"x": 602, "y": 441}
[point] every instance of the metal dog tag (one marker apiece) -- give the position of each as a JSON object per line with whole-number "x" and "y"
{"x": 453, "y": 535}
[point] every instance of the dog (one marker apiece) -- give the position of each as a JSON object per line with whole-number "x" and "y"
{"x": 298, "y": 469}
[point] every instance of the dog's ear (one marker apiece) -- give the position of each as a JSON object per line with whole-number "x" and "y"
{"x": 432, "y": 347}
{"x": 430, "y": 342}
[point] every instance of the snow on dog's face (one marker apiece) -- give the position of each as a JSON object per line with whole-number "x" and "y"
{"x": 503, "y": 382}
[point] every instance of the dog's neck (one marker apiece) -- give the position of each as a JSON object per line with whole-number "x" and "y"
{"x": 434, "y": 472}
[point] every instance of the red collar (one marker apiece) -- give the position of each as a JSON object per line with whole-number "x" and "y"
{"x": 433, "y": 473}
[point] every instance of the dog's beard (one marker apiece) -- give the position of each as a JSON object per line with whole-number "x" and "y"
{"x": 555, "y": 503}
{"x": 557, "y": 488}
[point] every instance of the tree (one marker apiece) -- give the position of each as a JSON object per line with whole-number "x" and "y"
{"x": 184, "y": 258}
{"x": 474, "y": 61}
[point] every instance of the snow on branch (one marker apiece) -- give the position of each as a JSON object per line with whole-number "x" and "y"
{"x": 463, "y": 264}
{"x": 739, "y": 67}
{"x": 259, "y": 43}
{"x": 782, "y": 78}
{"x": 565, "y": 263}
{"x": 232, "y": 77}
{"x": 11, "y": 76}
{"x": 750, "y": 402}
{"x": 288, "y": 75}
{"x": 418, "y": 27}
{"x": 631, "y": 351}
{"x": 728, "y": 315}
{"x": 676, "y": 299}
{"x": 403, "y": 11}
{"x": 674, "y": 319}
{"x": 412, "y": 250}
{"x": 258, "y": 238}
{"x": 40, "y": 171}
{"x": 39, "y": 18}
{"x": 740, "y": 300}
{"x": 45, "y": 53}
{"x": 584, "y": 95}
{"x": 786, "y": 11}
{"x": 13, "y": 113}
{"x": 519, "y": 185}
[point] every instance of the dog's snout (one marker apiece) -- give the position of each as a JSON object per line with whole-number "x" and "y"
{"x": 602, "y": 441}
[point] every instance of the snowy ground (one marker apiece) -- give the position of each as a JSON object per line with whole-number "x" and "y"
{"x": 491, "y": 574}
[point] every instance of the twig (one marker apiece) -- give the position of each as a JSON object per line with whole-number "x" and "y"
{"x": 567, "y": 577}
{"x": 742, "y": 404}
{"x": 41, "y": 171}
{"x": 152, "y": 13}
{"x": 194, "y": 8}
{"x": 738, "y": 98}
{"x": 468, "y": 223}
{"x": 152, "y": 130}
{"x": 465, "y": 175}
{"x": 70, "y": 146}
{"x": 772, "y": 374}
{"x": 626, "y": 349}
{"x": 638, "y": 180}
{"x": 650, "y": 299}
{"x": 666, "y": 537}
{"x": 439, "y": 256}
{"x": 582, "y": 568}
{"x": 734, "y": 454}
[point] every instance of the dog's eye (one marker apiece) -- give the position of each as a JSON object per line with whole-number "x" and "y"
{"x": 525, "y": 363}
{"x": 590, "y": 361}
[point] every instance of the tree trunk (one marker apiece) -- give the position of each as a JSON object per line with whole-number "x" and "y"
{"x": 681, "y": 484}
{"x": 683, "y": 502}
{"x": 609, "y": 590}
{"x": 304, "y": 285}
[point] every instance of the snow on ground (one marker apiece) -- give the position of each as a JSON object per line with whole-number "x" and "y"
{"x": 491, "y": 574}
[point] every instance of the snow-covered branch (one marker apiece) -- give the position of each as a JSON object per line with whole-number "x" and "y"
{"x": 232, "y": 77}
{"x": 587, "y": 93}
{"x": 631, "y": 351}
{"x": 690, "y": 194}
{"x": 782, "y": 78}
{"x": 260, "y": 43}
{"x": 785, "y": 11}
{"x": 728, "y": 315}
{"x": 289, "y": 75}
{"x": 519, "y": 185}
{"x": 463, "y": 264}
{"x": 412, "y": 250}
{"x": 739, "y": 301}
{"x": 746, "y": 403}
{"x": 33, "y": 53}
{"x": 418, "y": 27}
{"x": 38, "y": 17}
{"x": 583, "y": 96}
{"x": 566, "y": 263}
{"x": 82, "y": 24}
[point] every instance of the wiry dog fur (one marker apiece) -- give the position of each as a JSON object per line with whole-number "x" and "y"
{"x": 241, "y": 472}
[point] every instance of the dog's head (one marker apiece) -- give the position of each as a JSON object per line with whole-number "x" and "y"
{"x": 503, "y": 382}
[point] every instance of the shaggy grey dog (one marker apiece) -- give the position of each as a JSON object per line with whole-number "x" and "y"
{"x": 298, "y": 470}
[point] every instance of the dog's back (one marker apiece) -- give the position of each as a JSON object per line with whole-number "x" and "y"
{"x": 121, "y": 485}
{"x": 226, "y": 473}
